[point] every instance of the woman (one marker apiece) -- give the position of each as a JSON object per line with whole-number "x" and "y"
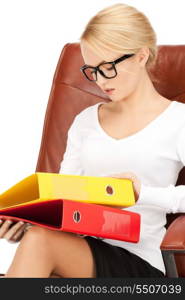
{"x": 127, "y": 137}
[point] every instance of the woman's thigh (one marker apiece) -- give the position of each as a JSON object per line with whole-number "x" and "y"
{"x": 71, "y": 254}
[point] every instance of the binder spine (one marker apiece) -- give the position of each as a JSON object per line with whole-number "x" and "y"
{"x": 101, "y": 221}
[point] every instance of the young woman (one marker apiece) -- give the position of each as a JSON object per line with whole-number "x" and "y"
{"x": 138, "y": 134}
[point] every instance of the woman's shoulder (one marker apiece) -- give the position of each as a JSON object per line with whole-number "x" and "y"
{"x": 87, "y": 112}
{"x": 84, "y": 117}
{"x": 181, "y": 104}
{"x": 178, "y": 114}
{"x": 179, "y": 109}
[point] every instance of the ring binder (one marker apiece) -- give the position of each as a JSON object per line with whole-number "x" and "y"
{"x": 79, "y": 204}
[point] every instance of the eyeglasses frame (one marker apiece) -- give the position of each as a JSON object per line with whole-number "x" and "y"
{"x": 118, "y": 60}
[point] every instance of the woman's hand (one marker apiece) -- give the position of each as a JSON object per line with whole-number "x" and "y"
{"x": 136, "y": 181}
{"x": 12, "y": 233}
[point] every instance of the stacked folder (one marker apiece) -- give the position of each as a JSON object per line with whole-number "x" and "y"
{"x": 73, "y": 203}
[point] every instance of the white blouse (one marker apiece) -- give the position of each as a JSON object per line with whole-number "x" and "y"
{"x": 154, "y": 154}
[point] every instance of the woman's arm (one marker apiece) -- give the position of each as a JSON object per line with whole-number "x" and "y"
{"x": 170, "y": 198}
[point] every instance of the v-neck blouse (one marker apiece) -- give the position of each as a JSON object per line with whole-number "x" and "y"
{"x": 147, "y": 127}
{"x": 155, "y": 154}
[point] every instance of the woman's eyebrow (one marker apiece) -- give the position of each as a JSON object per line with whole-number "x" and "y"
{"x": 103, "y": 61}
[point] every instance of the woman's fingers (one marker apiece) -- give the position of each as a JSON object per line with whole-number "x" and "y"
{"x": 13, "y": 232}
{"x": 4, "y": 226}
{"x": 19, "y": 234}
{"x": 135, "y": 180}
{"x": 10, "y": 233}
{"x": 7, "y": 232}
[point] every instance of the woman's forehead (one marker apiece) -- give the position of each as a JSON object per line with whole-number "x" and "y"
{"x": 93, "y": 58}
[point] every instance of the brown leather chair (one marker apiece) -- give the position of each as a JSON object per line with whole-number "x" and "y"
{"x": 71, "y": 93}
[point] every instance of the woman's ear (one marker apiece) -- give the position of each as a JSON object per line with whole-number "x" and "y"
{"x": 143, "y": 55}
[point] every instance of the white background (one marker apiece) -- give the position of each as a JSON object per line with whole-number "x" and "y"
{"x": 32, "y": 35}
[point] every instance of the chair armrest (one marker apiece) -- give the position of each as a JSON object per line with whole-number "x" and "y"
{"x": 174, "y": 238}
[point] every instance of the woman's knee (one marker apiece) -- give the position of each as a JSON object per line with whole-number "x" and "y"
{"x": 36, "y": 234}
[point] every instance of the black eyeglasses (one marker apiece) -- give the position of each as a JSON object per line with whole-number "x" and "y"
{"x": 106, "y": 69}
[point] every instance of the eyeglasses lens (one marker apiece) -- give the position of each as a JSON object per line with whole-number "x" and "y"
{"x": 107, "y": 69}
{"x": 90, "y": 73}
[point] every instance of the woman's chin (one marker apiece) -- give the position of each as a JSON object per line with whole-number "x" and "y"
{"x": 115, "y": 98}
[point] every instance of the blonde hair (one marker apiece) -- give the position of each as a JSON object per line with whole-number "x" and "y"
{"x": 120, "y": 28}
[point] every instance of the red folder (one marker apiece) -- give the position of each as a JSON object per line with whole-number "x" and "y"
{"x": 79, "y": 217}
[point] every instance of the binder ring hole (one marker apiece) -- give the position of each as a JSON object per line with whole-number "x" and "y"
{"x": 109, "y": 190}
{"x": 76, "y": 216}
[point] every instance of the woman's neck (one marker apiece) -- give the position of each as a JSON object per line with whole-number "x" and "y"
{"x": 144, "y": 98}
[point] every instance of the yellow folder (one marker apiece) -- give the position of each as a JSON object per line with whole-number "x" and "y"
{"x": 49, "y": 186}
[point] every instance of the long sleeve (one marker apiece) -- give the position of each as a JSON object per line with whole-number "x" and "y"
{"x": 71, "y": 163}
{"x": 170, "y": 198}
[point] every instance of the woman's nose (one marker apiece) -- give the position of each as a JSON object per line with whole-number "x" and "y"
{"x": 100, "y": 79}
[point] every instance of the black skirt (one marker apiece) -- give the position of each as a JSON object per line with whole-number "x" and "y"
{"x": 113, "y": 261}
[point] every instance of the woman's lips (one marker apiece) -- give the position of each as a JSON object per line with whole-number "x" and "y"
{"x": 109, "y": 91}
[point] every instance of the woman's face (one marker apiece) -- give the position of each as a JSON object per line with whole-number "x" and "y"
{"x": 129, "y": 72}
